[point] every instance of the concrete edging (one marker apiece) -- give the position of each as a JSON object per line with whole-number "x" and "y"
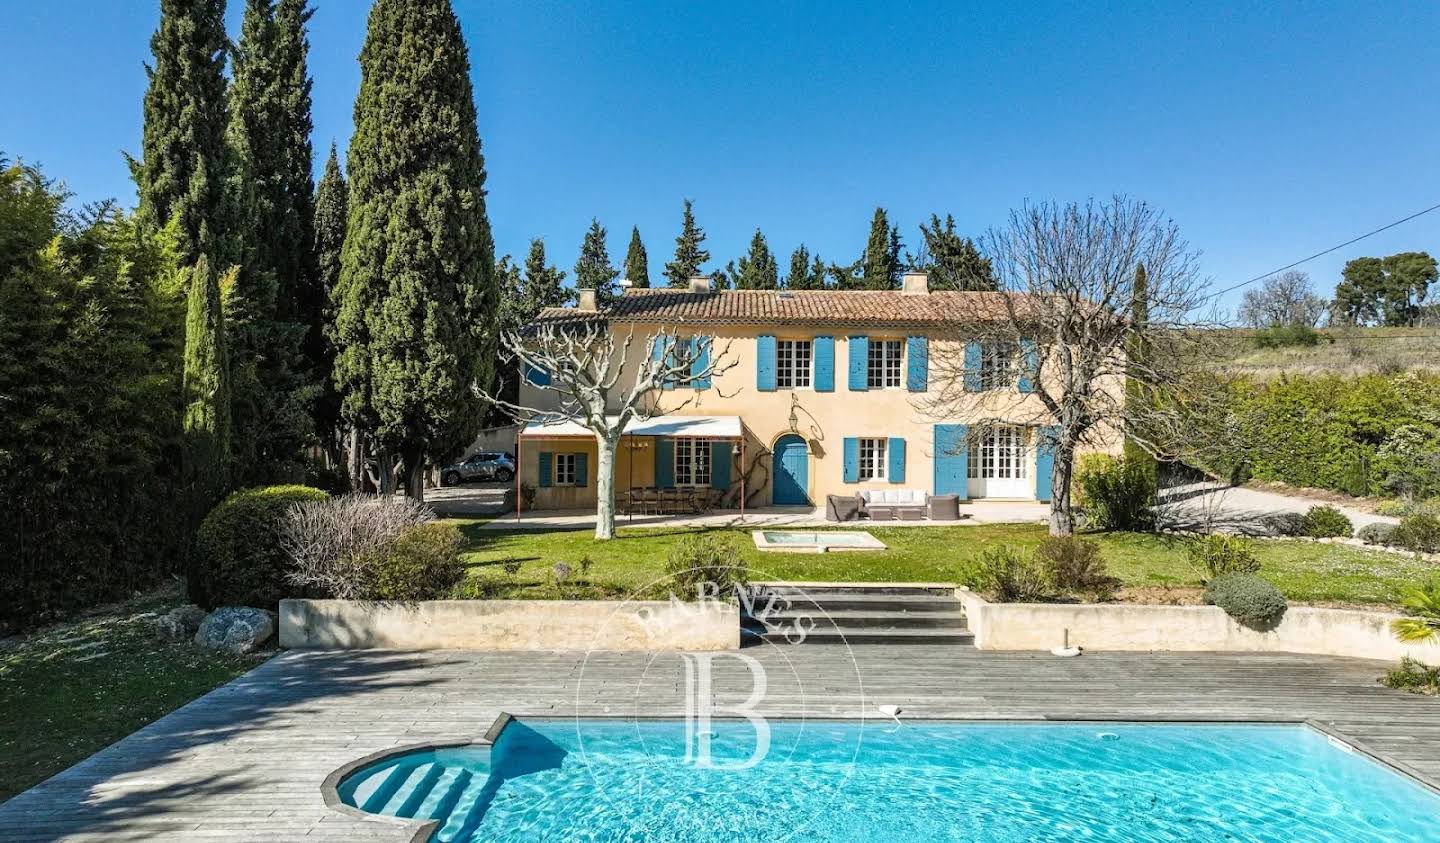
{"x": 1123, "y": 626}
{"x": 578, "y": 625}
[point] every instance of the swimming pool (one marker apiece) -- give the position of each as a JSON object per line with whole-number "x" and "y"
{"x": 852, "y": 781}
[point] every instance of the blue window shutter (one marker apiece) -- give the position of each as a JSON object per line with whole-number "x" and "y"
{"x": 952, "y": 460}
{"x": 1029, "y": 365}
{"x": 824, "y": 350}
{"x": 719, "y": 465}
{"x": 544, "y": 461}
{"x": 859, "y": 363}
{"x": 917, "y": 376}
{"x": 973, "y": 357}
{"x": 852, "y": 460}
{"x": 896, "y": 461}
{"x": 659, "y": 347}
{"x": 669, "y": 358}
{"x": 580, "y": 460}
{"x": 701, "y": 362}
{"x": 664, "y": 462}
{"x": 765, "y": 363}
{"x": 1045, "y": 462}
{"x": 536, "y": 375}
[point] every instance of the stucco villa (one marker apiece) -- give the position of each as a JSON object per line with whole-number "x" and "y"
{"x": 827, "y": 395}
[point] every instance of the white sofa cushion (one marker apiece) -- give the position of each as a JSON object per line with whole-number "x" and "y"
{"x": 894, "y": 497}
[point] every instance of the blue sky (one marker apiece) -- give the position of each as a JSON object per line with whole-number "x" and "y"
{"x": 1268, "y": 131}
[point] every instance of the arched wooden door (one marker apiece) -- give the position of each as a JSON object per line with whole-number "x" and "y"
{"x": 792, "y": 471}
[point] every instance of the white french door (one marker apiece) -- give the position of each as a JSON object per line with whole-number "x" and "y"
{"x": 1001, "y": 463}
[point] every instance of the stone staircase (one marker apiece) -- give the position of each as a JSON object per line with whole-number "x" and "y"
{"x": 858, "y": 615}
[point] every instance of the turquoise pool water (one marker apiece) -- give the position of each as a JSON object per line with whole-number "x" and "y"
{"x": 847, "y": 781}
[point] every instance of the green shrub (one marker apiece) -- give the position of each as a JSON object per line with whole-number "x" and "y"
{"x": 239, "y": 557}
{"x": 1376, "y": 533}
{"x": 1221, "y": 554}
{"x": 1118, "y": 493}
{"x": 1324, "y": 522}
{"x": 1285, "y": 523}
{"x": 1414, "y": 676}
{"x": 1250, "y": 600}
{"x": 1394, "y": 508}
{"x": 1010, "y": 575}
{"x": 1076, "y": 565}
{"x": 1283, "y": 336}
{"x": 704, "y": 563}
{"x": 422, "y": 564}
{"x": 1419, "y": 531}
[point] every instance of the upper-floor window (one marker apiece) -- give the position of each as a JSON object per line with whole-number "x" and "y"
{"x": 692, "y": 462}
{"x": 872, "y": 459}
{"x": 999, "y": 365}
{"x": 886, "y": 358}
{"x": 792, "y": 363}
{"x": 565, "y": 469}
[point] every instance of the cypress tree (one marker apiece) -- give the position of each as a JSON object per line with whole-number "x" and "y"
{"x": 301, "y": 295}
{"x": 542, "y": 285}
{"x": 953, "y": 262}
{"x": 637, "y": 262}
{"x": 880, "y": 265}
{"x": 593, "y": 270}
{"x": 416, "y": 305}
{"x": 1138, "y": 348}
{"x": 818, "y": 271}
{"x": 689, "y": 257}
{"x": 758, "y": 270}
{"x": 332, "y": 201}
{"x": 206, "y": 387}
{"x": 806, "y": 272}
{"x": 183, "y": 145}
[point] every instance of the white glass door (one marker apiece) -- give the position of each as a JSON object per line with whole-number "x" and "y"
{"x": 1000, "y": 463}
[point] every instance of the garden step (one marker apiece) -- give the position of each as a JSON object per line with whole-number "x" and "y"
{"x": 856, "y": 589}
{"x": 948, "y": 618}
{"x": 855, "y": 614}
{"x": 853, "y": 636}
{"x": 832, "y": 601}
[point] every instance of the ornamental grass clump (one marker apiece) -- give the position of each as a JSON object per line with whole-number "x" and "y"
{"x": 1220, "y": 554}
{"x": 1250, "y": 600}
{"x": 704, "y": 565}
{"x": 1324, "y": 522}
{"x": 1413, "y": 676}
{"x": 1010, "y": 575}
{"x": 1076, "y": 565}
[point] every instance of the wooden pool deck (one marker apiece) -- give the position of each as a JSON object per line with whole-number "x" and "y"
{"x": 246, "y": 762}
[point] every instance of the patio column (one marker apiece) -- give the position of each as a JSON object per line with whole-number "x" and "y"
{"x": 742, "y": 471}
{"x": 519, "y": 466}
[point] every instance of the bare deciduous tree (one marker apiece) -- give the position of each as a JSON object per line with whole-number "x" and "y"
{"x": 334, "y": 544}
{"x": 1077, "y": 340}
{"x": 1286, "y": 299}
{"x": 587, "y": 368}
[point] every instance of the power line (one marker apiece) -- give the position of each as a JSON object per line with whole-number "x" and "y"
{"x": 1327, "y": 251}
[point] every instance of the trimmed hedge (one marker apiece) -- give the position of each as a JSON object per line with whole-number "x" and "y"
{"x": 239, "y": 560}
{"x": 423, "y": 564}
{"x": 1325, "y": 522}
{"x": 1250, "y": 600}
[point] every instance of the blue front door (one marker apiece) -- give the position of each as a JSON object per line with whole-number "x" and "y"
{"x": 792, "y": 471}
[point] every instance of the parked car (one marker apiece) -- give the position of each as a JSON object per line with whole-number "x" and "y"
{"x": 486, "y": 465}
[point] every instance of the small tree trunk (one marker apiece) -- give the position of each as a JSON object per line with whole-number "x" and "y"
{"x": 413, "y": 461}
{"x": 385, "y": 472}
{"x": 356, "y": 461}
{"x": 605, "y": 486}
{"x": 1062, "y": 518}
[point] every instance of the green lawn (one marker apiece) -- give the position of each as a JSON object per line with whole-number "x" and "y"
{"x": 635, "y": 560}
{"x": 73, "y": 689}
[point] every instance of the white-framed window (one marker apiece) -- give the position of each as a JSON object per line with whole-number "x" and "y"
{"x": 565, "y": 470}
{"x": 872, "y": 459}
{"x": 792, "y": 363}
{"x": 692, "y": 462}
{"x": 886, "y": 360}
{"x": 999, "y": 365}
{"x": 1000, "y": 452}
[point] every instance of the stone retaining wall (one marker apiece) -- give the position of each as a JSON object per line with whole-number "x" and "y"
{"x": 1123, "y": 626}
{"x": 509, "y": 625}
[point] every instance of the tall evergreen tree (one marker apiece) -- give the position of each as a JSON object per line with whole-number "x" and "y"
{"x": 416, "y": 305}
{"x": 543, "y": 284}
{"x": 637, "y": 261}
{"x": 206, "y": 388}
{"x": 953, "y": 262}
{"x": 880, "y": 265}
{"x": 689, "y": 257}
{"x": 758, "y": 270}
{"x": 332, "y": 202}
{"x": 183, "y": 146}
{"x": 593, "y": 270}
{"x": 807, "y": 272}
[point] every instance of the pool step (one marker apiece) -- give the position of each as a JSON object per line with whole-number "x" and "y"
{"x": 853, "y": 614}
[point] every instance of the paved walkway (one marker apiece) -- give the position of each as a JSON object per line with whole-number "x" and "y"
{"x": 973, "y": 512}
{"x": 246, "y": 761}
{"x": 1241, "y": 510}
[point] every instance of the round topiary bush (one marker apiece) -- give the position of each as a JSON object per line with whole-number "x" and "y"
{"x": 1325, "y": 522}
{"x": 1250, "y": 600}
{"x": 422, "y": 564}
{"x": 1377, "y": 533}
{"x": 239, "y": 559}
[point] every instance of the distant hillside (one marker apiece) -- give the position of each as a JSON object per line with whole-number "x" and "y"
{"x": 1350, "y": 351}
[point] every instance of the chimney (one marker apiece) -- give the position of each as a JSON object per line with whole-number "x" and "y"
{"x": 587, "y": 299}
{"x": 699, "y": 283}
{"x": 625, "y": 284}
{"x": 915, "y": 284}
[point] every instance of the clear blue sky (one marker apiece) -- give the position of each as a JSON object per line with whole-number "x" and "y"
{"x": 1267, "y": 130}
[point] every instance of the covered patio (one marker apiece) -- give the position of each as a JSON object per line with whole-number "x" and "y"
{"x": 666, "y": 466}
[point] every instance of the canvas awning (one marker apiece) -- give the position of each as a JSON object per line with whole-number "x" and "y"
{"x": 700, "y": 427}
